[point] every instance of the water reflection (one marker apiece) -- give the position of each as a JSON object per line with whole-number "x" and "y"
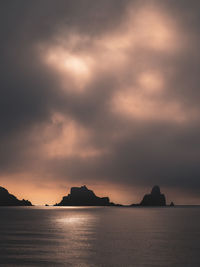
{"x": 55, "y": 236}
{"x": 77, "y": 226}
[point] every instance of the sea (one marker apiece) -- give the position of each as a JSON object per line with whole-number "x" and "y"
{"x": 100, "y": 236}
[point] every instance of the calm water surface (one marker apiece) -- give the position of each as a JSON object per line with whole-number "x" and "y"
{"x": 111, "y": 236}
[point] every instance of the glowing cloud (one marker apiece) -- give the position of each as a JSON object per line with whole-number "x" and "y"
{"x": 132, "y": 104}
{"x": 72, "y": 66}
{"x": 151, "y": 82}
{"x": 69, "y": 140}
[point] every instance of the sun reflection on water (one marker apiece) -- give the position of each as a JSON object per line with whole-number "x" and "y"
{"x": 73, "y": 220}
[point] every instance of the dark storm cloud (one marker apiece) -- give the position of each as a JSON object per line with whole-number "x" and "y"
{"x": 90, "y": 135}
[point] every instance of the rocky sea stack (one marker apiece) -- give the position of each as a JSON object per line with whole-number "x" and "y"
{"x": 155, "y": 198}
{"x": 82, "y": 196}
{"x": 7, "y": 199}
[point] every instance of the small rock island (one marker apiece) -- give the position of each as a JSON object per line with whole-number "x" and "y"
{"x": 155, "y": 198}
{"x": 82, "y": 196}
{"x": 6, "y": 199}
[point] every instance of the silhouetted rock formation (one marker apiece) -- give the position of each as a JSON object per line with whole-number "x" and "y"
{"x": 82, "y": 196}
{"x": 154, "y": 199}
{"x": 7, "y": 199}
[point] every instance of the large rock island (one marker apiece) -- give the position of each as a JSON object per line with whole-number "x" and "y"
{"x": 7, "y": 199}
{"x": 155, "y": 198}
{"x": 82, "y": 196}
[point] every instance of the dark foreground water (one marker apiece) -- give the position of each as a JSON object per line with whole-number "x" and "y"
{"x": 56, "y": 236}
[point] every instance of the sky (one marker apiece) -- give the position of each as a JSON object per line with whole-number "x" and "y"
{"x": 103, "y": 93}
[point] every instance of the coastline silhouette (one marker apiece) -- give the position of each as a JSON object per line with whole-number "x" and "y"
{"x": 82, "y": 196}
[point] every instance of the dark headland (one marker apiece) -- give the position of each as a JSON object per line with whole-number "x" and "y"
{"x": 6, "y": 199}
{"x": 82, "y": 196}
